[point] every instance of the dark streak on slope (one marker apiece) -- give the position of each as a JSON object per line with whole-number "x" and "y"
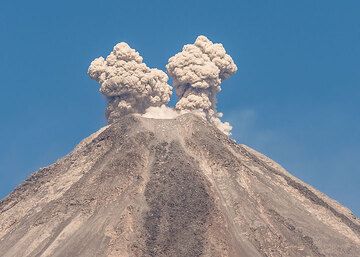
{"x": 297, "y": 233}
{"x": 179, "y": 204}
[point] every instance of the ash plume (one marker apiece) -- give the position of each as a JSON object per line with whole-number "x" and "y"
{"x": 197, "y": 73}
{"x": 127, "y": 83}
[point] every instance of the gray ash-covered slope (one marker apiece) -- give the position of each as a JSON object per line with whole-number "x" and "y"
{"x": 177, "y": 187}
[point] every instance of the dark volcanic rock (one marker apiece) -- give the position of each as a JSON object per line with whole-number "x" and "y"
{"x": 177, "y": 187}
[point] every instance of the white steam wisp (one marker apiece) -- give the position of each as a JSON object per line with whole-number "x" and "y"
{"x": 162, "y": 112}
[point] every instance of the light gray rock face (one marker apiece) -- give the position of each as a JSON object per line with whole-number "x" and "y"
{"x": 177, "y": 187}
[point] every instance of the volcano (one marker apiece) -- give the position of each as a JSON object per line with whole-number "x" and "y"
{"x": 171, "y": 187}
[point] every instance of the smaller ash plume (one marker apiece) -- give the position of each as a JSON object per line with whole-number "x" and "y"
{"x": 197, "y": 73}
{"x": 128, "y": 84}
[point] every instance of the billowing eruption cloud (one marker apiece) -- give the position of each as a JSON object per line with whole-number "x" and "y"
{"x": 128, "y": 84}
{"x": 197, "y": 73}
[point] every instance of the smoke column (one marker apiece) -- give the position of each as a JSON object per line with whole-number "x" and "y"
{"x": 127, "y": 83}
{"x": 197, "y": 73}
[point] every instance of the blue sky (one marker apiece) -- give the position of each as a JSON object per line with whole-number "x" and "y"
{"x": 295, "y": 96}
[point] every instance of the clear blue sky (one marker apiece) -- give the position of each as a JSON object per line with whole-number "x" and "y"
{"x": 296, "y": 96}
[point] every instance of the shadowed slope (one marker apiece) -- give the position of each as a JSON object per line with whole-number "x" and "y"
{"x": 177, "y": 187}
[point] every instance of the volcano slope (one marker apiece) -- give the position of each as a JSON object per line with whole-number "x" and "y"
{"x": 176, "y": 187}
